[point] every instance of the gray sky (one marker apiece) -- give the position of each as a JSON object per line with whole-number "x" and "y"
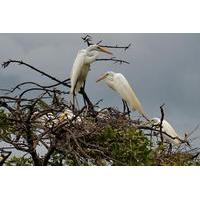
{"x": 164, "y": 68}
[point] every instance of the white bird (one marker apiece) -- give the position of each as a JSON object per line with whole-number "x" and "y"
{"x": 46, "y": 120}
{"x": 167, "y": 128}
{"x": 81, "y": 65}
{"x": 49, "y": 119}
{"x": 68, "y": 115}
{"x": 118, "y": 83}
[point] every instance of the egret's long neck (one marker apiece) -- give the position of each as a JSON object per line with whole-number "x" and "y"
{"x": 92, "y": 56}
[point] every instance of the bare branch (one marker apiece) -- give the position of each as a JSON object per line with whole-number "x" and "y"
{"x": 161, "y": 121}
{"x": 4, "y": 157}
{"x": 7, "y": 63}
{"x": 115, "y": 60}
{"x": 88, "y": 39}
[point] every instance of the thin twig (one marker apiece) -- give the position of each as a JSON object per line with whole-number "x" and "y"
{"x": 161, "y": 121}
{"x": 115, "y": 60}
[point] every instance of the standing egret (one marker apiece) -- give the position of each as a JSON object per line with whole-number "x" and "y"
{"x": 118, "y": 83}
{"x": 81, "y": 66}
{"x": 173, "y": 137}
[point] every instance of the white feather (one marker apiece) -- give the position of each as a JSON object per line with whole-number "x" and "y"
{"x": 119, "y": 83}
{"x": 79, "y": 72}
{"x": 167, "y": 128}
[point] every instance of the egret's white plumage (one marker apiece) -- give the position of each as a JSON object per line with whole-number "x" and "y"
{"x": 68, "y": 115}
{"x": 49, "y": 119}
{"x": 167, "y": 128}
{"x": 118, "y": 83}
{"x": 46, "y": 120}
{"x": 81, "y": 65}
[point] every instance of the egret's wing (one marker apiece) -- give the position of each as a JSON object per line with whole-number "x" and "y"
{"x": 89, "y": 59}
{"x": 127, "y": 93}
{"x": 76, "y": 71}
{"x": 167, "y": 128}
{"x": 171, "y": 132}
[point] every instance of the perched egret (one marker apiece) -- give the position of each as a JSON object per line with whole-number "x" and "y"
{"x": 118, "y": 83}
{"x": 167, "y": 128}
{"x": 81, "y": 65}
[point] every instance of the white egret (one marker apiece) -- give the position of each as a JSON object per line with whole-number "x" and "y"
{"x": 118, "y": 83}
{"x": 81, "y": 65}
{"x": 173, "y": 137}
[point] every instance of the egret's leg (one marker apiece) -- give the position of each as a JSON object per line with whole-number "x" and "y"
{"x": 124, "y": 106}
{"x": 127, "y": 108}
{"x": 83, "y": 89}
{"x": 73, "y": 97}
{"x": 83, "y": 86}
{"x": 77, "y": 102}
{"x": 86, "y": 100}
{"x": 73, "y": 101}
{"x": 170, "y": 148}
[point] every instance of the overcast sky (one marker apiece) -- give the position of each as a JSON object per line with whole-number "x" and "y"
{"x": 164, "y": 68}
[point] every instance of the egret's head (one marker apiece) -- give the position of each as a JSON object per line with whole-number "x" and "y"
{"x": 107, "y": 76}
{"x": 155, "y": 121}
{"x": 96, "y": 47}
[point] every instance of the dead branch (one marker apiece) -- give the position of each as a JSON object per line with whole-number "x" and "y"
{"x": 7, "y": 63}
{"x": 113, "y": 59}
{"x": 4, "y": 157}
{"x": 88, "y": 39}
{"x": 161, "y": 121}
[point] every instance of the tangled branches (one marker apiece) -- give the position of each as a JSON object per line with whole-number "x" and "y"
{"x": 48, "y": 132}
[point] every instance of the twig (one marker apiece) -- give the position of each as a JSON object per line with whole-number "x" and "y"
{"x": 48, "y": 155}
{"x": 87, "y": 39}
{"x": 5, "y": 157}
{"x": 117, "y": 47}
{"x": 161, "y": 121}
{"x": 115, "y": 60}
{"x": 33, "y": 83}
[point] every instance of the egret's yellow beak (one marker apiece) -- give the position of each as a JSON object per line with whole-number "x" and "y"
{"x": 101, "y": 77}
{"x": 105, "y": 50}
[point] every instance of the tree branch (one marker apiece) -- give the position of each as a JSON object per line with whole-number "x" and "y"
{"x": 115, "y": 60}
{"x": 161, "y": 121}
{"x": 88, "y": 39}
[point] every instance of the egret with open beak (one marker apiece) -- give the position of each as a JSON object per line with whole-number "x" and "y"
{"x": 82, "y": 63}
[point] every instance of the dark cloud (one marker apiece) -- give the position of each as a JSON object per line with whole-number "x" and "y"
{"x": 164, "y": 68}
